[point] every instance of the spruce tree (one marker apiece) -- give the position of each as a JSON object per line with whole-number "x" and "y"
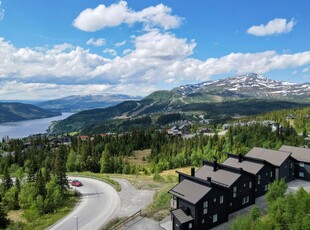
{"x": 4, "y": 221}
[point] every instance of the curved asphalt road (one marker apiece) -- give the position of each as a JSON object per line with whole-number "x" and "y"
{"x": 99, "y": 202}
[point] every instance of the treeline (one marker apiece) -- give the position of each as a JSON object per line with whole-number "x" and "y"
{"x": 109, "y": 153}
{"x": 284, "y": 211}
{"x": 299, "y": 118}
{"x": 169, "y": 153}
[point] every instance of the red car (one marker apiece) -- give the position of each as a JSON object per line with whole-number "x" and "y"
{"x": 76, "y": 183}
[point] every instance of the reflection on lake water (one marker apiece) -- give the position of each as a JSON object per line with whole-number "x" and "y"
{"x": 25, "y": 128}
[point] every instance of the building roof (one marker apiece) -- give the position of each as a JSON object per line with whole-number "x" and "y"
{"x": 274, "y": 157}
{"x": 220, "y": 175}
{"x": 190, "y": 191}
{"x": 181, "y": 216}
{"x": 251, "y": 167}
{"x": 298, "y": 153}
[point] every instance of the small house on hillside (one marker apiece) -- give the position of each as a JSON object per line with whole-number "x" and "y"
{"x": 284, "y": 165}
{"x": 302, "y": 158}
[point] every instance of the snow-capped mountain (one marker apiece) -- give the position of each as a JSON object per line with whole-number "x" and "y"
{"x": 251, "y": 85}
{"x": 79, "y": 103}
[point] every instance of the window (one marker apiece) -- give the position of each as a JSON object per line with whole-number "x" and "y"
{"x": 244, "y": 185}
{"x": 258, "y": 179}
{"x": 234, "y": 191}
{"x": 270, "y": 173}
{"x": 230, "y": 204}
{"x": 190, "y": 225}
{"x": 301, "y": 174}
{"x": 266, "y": 174}
{"x": 250, "y": 184}
{"x": 291, "y": 165}
{"x": 245, "y": 200}
{"x": 301, "y": 164}
{"x": 214, "y": 218}
{"x": 205, "y": 207}
{"x": 221, "y": 199}
{"x": 203, "y": 221}
{"x": 266, "y": 187}
{"x": 214, "y": 200}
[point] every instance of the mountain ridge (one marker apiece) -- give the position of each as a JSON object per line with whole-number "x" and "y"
{"x": 242, "y": 87}
{"x": 76, "y": 103}
{"x": 244, "y": 95}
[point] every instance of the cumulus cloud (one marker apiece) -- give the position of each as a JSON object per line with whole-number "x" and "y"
{"x": 110, "y": 51}
{"x": 1, "y": 12}
{"x": 97, "y": 43}
{"x": 114, "y": 15}
{"x": 155, "y": 59}
{"x": 275, "y": 26}
{"x": 155, "y": 44}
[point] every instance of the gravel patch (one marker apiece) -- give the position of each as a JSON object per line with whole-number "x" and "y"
{"x": 132, "y": 199}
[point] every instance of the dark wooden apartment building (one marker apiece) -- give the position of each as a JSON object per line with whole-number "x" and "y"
{"x": 205, "y": 198}
{"x": 261, "y": 169}
{"x": 301, "y": 157}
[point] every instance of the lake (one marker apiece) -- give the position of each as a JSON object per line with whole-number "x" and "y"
{"x": 25, "y": 128}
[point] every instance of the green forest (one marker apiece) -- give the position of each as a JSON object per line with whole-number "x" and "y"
{"x": 284, "y": 212}
{"x": 40, "y": 166}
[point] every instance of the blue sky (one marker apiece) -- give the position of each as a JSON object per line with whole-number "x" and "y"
{"x": 52, "y": 49}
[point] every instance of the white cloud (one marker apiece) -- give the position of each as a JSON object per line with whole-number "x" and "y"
{"x": 1, "y": 12}
{"x": 155, "y": 44}
{"x": 110, "y": 51}
{"x": 114, "y": 15}
{"x": 15, "y": 90}
{"x": 119, "y": 44}
{"x": 94, "y": 42}
{"x": 157, "y": 58}
{"x": 275, "y": 26}
{"x": 305, "y": 70}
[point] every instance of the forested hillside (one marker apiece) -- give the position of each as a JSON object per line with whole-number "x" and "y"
{"x": 297, "y": 118}
{"x": 43, "y": 161}
{"x": 18, "y": 112}
{"x": 114, "y": 119}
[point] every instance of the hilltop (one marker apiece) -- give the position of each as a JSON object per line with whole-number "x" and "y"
{"x": 10, "y": 112}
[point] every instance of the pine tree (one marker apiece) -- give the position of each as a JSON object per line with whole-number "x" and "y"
{"x": 4, "y": 221}
{"x": 7, "y": 181}
{"x": 60, "y": 167}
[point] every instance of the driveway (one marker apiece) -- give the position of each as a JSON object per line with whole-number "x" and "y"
{"x": 98, "y": 204}
{"x": 132, "y": 199}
